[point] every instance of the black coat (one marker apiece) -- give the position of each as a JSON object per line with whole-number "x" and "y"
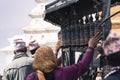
{"x": 114, "y": 76}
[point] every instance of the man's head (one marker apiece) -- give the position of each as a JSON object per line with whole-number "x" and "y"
{"x": 111, "y": 48}
{"x": 19, "y": 46}
{"x": 33, "y": 46}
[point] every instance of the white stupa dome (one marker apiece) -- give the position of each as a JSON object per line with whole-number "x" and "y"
{"x": 37, "y": 12}
{"x": 38, "y": 25}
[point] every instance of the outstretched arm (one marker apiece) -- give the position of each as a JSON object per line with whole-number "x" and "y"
{"x": 76, "y": 70}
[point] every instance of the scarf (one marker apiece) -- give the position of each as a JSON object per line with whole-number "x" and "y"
{"x": 45, "y": 76}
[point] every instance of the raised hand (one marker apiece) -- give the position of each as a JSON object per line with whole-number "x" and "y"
{"x": 95, "y": 39}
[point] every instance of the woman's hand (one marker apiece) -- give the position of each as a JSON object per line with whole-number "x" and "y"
{"x": 57, "y": 46}
{"x": 95, "y": 39}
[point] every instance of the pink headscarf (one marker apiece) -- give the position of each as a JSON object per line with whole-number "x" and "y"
{"x": 112, "y": 43}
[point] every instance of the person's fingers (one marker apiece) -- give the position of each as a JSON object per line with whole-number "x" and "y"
{"x": 95, "y": 39}
{"x": 98, "y": 36}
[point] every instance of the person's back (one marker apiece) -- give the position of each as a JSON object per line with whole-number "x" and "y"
{"x": 18, "y": 69}
{"x": 21, "y": 65}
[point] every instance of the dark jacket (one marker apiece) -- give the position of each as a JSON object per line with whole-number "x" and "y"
{"x": 114, "y": 76}
{"x": 19, "y": 68}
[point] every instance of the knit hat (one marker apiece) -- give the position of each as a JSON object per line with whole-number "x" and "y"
{"x": 19, "y": 44}
{"x": 33, "y": 45}
{"x": 112, "y": 43}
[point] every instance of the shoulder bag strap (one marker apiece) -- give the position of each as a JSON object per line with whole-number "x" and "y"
{"x": 35, "y": 76}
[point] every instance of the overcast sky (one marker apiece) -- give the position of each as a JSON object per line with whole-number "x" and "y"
{"x": 13, "y": 17}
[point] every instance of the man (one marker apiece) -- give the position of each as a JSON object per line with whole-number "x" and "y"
{"x": 111, "y": 48}
{"x": 33, "y": 46}
{"x": 21, "y": 65}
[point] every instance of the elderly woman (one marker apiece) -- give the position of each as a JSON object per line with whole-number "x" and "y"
{"x": 111, "y": 48}
{"x": 46, "y": 67}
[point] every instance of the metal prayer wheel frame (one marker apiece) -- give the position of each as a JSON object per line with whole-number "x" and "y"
{"x": 79, "y": 20}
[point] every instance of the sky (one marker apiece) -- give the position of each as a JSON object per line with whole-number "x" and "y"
{"x": 13, "y": 17}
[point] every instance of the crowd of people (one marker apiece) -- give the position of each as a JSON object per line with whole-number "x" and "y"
{"x": 44, "y": 65}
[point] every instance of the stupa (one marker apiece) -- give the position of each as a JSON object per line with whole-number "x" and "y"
{"x": 38, "y": 29}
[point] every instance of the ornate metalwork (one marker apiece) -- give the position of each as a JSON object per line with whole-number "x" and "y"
{"x": 80, "y": 20}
